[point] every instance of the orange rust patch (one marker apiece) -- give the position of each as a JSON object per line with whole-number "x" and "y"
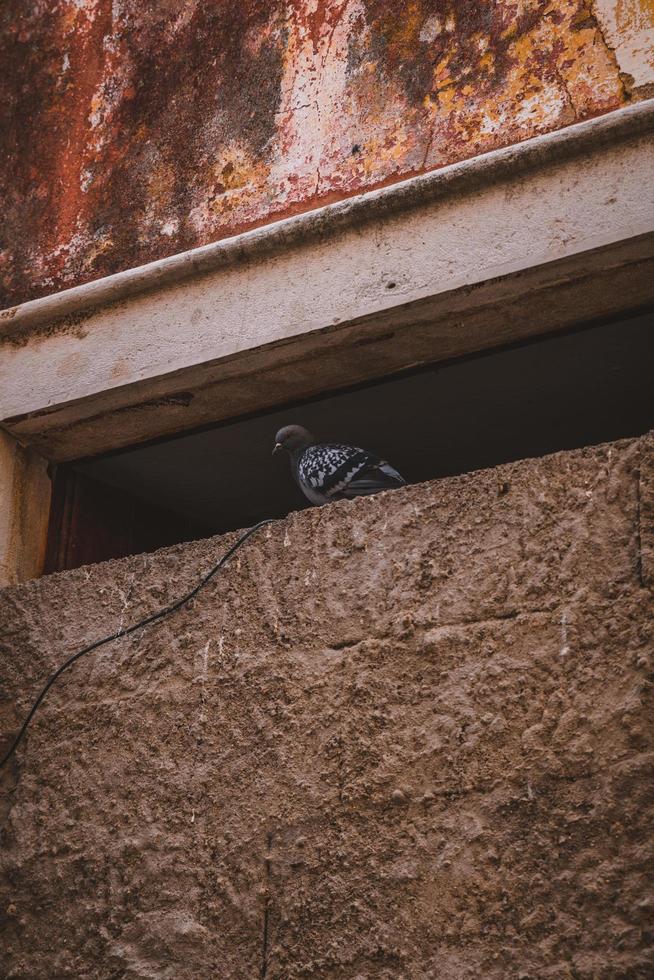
{"x": 133, "y": 131}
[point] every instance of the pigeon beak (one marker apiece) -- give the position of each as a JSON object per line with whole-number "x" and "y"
{"x": 278, "y": 446}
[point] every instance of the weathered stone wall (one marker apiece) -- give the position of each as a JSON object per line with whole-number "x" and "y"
{"x": 405, "y": 737}
{"x": 130, "y": 130}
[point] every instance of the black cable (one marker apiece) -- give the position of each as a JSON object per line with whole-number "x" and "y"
{"x": 166, "y": 611}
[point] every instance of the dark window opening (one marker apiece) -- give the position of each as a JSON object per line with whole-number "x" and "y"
{"x": 563, "y": 392}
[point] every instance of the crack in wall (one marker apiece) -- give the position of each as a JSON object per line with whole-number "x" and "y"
{"x": 569, "y": 100}
{"x": 267, "y": 861}
{"x": 592, "y": 13}
{"x": 431, "y": 135}
{"x": 640, "y": 574}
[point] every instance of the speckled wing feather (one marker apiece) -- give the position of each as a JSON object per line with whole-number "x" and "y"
{"x": 333, "y": 471}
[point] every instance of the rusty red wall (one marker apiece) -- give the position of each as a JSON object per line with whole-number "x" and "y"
{"x": 406, "y": 737}
{"x": 131, "y": 130}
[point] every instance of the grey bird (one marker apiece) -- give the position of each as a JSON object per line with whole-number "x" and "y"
{"x": 330, "y": 471}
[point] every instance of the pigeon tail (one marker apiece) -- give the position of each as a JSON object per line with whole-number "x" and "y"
{"x": 373, "y": 479}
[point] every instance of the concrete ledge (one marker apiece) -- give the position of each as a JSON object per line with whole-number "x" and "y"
{"x": 435, "y": 700}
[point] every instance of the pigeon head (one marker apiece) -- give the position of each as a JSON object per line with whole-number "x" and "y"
{"x": 293, "y": 438}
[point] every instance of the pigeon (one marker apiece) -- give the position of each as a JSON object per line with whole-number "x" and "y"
{"x": 330, "y": 471}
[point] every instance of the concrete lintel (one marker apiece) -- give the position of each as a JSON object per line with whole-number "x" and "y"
{"x": 543, "y": 245}
{"x": 514, "y": 308}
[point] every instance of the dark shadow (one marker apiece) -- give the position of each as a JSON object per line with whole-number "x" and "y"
{"x": 567, "y": 391}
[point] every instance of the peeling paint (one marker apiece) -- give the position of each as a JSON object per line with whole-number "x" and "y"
{"x": 131, "y": 131}
{"x": 628, "y": 28}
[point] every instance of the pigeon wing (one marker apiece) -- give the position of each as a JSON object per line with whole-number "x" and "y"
{"x": 328, "y": 469}
{"x": 336, "y": 471}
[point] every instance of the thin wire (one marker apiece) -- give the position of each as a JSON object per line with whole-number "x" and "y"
{"x": 166, "y": 611}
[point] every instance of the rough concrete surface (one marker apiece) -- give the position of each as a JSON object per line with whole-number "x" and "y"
{"x": 404, "y": 737}
{"x": 132, "y": 131}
